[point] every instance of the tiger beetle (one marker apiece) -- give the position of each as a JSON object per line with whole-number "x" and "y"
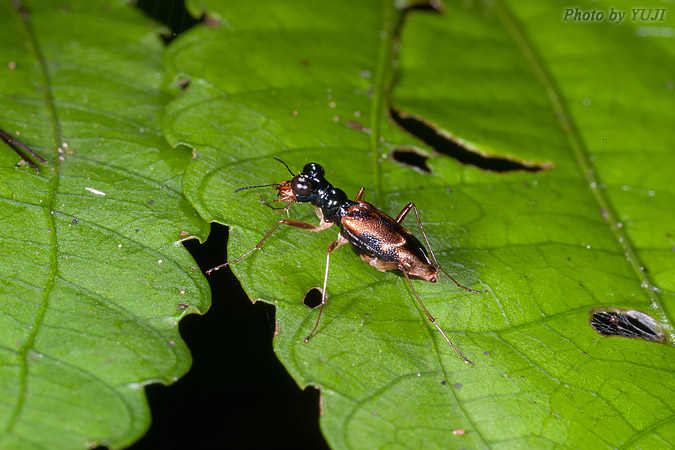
{"x": 378, "y": 239}
{"x": 21, "y": 149}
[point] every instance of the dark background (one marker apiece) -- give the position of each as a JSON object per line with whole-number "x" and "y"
{"x": 237, "y": 394}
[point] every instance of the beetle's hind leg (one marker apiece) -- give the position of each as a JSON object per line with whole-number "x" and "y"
{"x": 432, "y": 320}
{"x": 399, "y": 218}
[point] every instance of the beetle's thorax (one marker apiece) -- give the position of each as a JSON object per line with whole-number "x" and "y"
{"x": 310, "y": 186}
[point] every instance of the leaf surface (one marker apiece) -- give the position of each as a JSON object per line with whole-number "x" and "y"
{"x": 93, "y": 279}
{"x": 584, "y": 224}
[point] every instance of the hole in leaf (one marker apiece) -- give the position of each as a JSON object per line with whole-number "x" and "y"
{"x": 433, "y": 6}
{"x": 176, "y": 17}
{"x": 411, "y": 158}
{"x": 451, "y": 147}
{"x": 312, "y": 298}
{"x": 609, "y": 321}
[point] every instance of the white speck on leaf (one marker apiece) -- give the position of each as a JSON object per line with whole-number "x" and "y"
{"x": 95, "y": 191}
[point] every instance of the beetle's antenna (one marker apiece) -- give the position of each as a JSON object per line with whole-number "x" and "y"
{"x": 253, "y": 187}
{"x": 289, "y": 169}
{"x": 266, "y": 185}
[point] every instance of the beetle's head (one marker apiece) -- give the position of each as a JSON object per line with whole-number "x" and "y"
{"x": 310, "y": 184}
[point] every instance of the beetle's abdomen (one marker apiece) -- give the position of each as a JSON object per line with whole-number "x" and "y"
{"x": 373, "y": 233}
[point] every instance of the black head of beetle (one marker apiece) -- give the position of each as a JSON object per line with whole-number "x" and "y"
{"x": 310, "y": 186}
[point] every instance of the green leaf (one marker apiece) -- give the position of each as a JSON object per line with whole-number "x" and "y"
{"x": 586, "y": 107}
{"x": 93, "y": 278}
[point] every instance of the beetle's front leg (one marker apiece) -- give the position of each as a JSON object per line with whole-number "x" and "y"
{"x": 293, "y": 223}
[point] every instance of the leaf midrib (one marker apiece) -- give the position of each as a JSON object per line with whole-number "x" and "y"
{"x": 377, "y": 105}
{"x": 33, "y": 43}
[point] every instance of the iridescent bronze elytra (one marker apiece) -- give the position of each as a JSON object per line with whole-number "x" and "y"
{"x": 378, "y": 239}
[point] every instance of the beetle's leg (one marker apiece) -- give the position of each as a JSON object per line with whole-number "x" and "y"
{"x": 404, "y": 212}
{"x": 294, "y": 223}
{"x": 432, "y": 320}
{"x": 341, "y": 240}
{"x": 276, "y": 208}
{"x": 401, "y": 215}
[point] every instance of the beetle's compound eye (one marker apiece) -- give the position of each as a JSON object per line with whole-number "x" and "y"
{"x": 313, "y": 170}
{"x": 302, "y": 186}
